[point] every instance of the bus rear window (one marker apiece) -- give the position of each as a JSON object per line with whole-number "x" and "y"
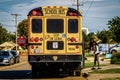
{"x": 72, "y": 26}
{"x": 36, "y": 26}
{"x": 55, "y": 25}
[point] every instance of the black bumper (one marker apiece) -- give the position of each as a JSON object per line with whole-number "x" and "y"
{"x": 54, "y": 58}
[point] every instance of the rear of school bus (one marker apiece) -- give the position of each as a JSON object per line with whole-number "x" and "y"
{"x": 54, "y": 39}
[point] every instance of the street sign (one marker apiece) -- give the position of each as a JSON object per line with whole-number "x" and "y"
{"x": 21, "y": 41}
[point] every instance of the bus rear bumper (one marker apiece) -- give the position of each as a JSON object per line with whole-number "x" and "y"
{"x": 54, "y": 58}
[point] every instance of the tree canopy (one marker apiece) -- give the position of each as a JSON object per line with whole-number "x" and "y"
{"x": 22, "y": 28}
{"x": 114, "y": 27}
{"x": 5, "y": 35}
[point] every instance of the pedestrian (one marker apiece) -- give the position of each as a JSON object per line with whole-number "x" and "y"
{"x": 95, "y": 48}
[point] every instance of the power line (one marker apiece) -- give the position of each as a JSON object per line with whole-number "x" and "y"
{"x": 77, "y": 5}
{"x": 9, "y": 20}
{"x": 88, "y": 9}
{"x": 99, "y": 17}
{"x": 7, "y": 25}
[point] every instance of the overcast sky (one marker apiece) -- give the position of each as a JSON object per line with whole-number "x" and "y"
{"x": 96, "y": 13}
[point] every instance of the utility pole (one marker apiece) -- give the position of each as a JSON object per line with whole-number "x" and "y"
{"x": 16, "y": 22}
{"x": 78, "y": 4}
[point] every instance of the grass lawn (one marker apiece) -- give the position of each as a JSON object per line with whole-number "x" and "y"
{"x": 90, "y": 64}
{"x": 115, "y": 70}
{"x": 111, "y": 71}
{"x": 118, "y": 78}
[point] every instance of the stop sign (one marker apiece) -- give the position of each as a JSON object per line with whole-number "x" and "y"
{"x": 21, "y": 41}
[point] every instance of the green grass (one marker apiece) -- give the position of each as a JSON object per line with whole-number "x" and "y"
{"x": 117, "y": 78}
{"x": 88, "y": 55}
{"x": 88, "y": 64}
{"x": 115, "y": 70}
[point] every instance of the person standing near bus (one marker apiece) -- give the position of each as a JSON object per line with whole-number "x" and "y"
{"x": 95, "y": 48}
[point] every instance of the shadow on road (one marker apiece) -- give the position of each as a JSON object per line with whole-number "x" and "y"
{"x": 26, "y": 74}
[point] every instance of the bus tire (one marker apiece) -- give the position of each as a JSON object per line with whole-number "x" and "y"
{"x": 34, "y": 71}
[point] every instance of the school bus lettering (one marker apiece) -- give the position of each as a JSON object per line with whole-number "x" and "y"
{"x": 54, "y": 11}
{"x": 50, "y": 11}
{"x": 61, "y": 11}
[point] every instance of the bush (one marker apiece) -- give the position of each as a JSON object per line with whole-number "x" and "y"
{"x": 115, "y": 59}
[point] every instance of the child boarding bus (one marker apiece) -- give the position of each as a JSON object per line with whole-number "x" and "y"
{"x": 54, "y": 39}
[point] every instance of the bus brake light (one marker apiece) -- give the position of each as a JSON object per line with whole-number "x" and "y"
{"x": 36, "y": 13}
{"x": 32, "y": 47}
{"x": 36, "y": 39}
{"x": 77, "y": 46}
{"x": 70, "y": 13}
{"x": 72, "y": 39}
{"x": 32, "y": 39}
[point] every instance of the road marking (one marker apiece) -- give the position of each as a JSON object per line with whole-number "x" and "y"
{"x": 7, "y": 67}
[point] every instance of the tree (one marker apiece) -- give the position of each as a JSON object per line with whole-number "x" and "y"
{"x": 105, "y": 36}
{"x": 22, "y": 28}
{"x": 87, "y": 39}
{"x": 5, "y": 35}
{"x": 114, "y": 27}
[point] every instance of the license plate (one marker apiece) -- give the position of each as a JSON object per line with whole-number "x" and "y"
{"x": 55, "y": 45}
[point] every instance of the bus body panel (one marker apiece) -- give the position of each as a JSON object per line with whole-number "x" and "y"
{"x": 55, "y": 39}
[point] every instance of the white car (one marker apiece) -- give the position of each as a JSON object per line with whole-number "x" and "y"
{"x": 115, "y": 48}
{"x": 6, "y": 58}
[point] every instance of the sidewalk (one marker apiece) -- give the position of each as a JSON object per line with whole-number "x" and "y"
{"x": 107, "y": 65}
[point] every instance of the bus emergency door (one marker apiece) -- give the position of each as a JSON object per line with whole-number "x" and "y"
{"x": 55, "y": 35}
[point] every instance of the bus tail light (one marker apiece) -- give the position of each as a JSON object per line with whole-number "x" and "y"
{"x": 32, "y": 39}
{"x": 36, "y": 12}
{"x": 36, "y": 39}
{"x": 32, "y": 47}
{"x": 77, "y": 46}
{"x": 72, "y": 39}
{"x": 73, "y": 14}
{"x": 70, "y": 13}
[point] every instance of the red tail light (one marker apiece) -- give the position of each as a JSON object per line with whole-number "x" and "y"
{"x": 70, "y": 13}
{"x": 72, "y": 39}
{"x": 36, "y": 39}
{"x": 32, "y": 47}
{"x": 75, "y": 14}
{"x": 32, "y": 39}
{"x": 36, "y": 13}
{"x": 77, "y": 46}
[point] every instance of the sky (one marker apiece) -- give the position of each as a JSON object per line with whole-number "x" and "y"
{"x": 96, "y": 13}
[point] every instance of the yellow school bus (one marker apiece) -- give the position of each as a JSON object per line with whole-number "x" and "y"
{"x": 55, "y": 39}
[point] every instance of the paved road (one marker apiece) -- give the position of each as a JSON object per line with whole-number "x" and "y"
{"x": 22, "y": 70}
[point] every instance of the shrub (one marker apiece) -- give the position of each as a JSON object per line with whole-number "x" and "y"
{"x": 115, "y": 59}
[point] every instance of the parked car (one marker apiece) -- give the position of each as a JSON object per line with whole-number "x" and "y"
{"x": 16, "y": 56}
{"x": 115, "y": 48}
{"x": 6, "y": 58}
